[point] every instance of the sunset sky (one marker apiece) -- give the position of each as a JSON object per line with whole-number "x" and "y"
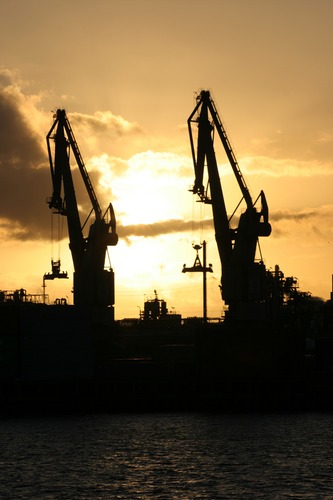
{"x": 127, "y": 72}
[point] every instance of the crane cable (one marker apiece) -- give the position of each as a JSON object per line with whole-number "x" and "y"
{"x": 202, "y": 221}
{"x": 198, "y": 227}
{"x": 59, "y": 230}
{"x": 51, "y": 223}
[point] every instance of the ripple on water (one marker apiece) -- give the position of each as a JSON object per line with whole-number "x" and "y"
{"x": 166, "y": 456}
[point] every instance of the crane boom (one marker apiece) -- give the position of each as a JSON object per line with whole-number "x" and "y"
{"x": 81, "y": 165}
{"x": 93, "y": 285}
{"x": 228, "y": 149}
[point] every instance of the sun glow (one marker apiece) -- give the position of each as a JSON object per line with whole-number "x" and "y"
{"x": 147, "y": 188}
{"x": 148, "y": 264}
{"x": 154, "y": 210}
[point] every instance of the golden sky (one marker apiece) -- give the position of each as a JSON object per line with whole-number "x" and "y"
{"x": 127, "y": 73}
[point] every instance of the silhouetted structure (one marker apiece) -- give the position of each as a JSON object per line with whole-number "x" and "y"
{"x": 93, "y": 284}
{"x": 273, "y": 351}
{"x": 243, "y": 283}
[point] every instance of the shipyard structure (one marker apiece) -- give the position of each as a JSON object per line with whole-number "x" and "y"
{"x": 272, "y": 350}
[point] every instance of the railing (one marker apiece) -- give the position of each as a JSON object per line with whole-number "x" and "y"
{"x": 20, "y": 295}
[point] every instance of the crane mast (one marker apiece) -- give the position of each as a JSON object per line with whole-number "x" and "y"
{"x": 243, "y": 281}
{"x": 93, "y": 285}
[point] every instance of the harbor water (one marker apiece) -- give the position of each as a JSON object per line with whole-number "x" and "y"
{"x": 167, "y": 456}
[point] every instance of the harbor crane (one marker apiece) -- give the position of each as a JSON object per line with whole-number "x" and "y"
{"x": 244, "y": 279}
{"x": 93, "y": 284}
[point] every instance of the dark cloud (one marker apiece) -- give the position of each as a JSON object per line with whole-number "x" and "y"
{"x": 25, "y": 179}
{"x": 24, "y": 182}
{"x": 179, "y": 225}
{"x": 310, "y": 223}
{"x": 105, "y": 122}
{"x": 279, "y": 215}
{"x": 162, "y": 227}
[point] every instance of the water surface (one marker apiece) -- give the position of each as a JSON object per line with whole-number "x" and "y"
{"x": 167, "y": 456}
